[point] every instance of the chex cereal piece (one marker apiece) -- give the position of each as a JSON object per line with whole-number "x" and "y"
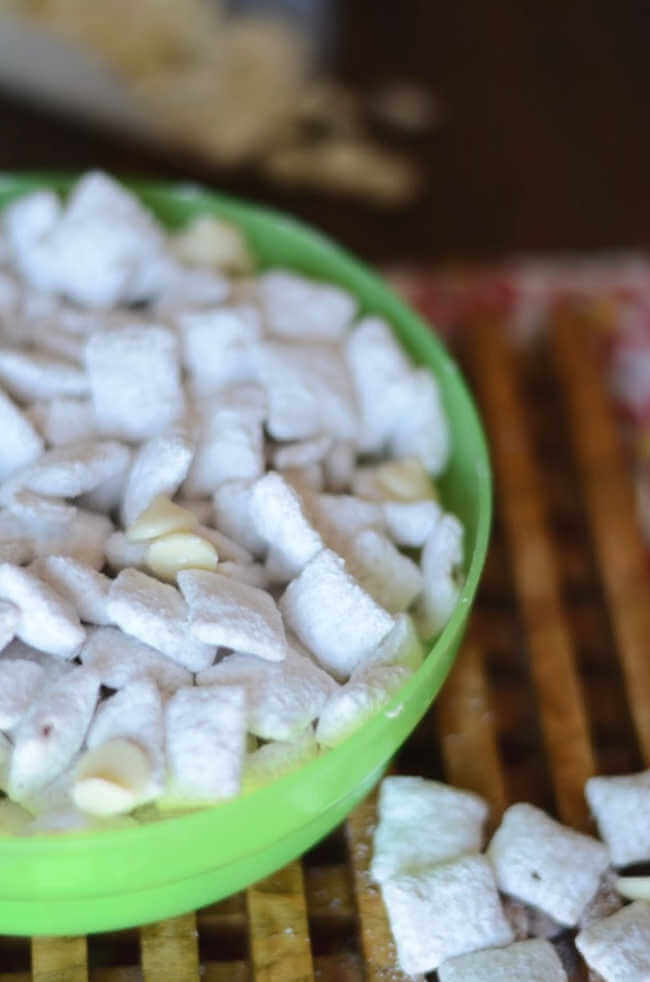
{"x": 119, "y": 659}
{"x": 231, "y": 614}
{"x": 282, "y": 698}
{"x": 30, "y": 376}
{"x": 409, "y": 523}
{"x": 80, "y": 584}
{"x": 401, "y": 646}
{"x": 9, "y": 619}
{"x": 84, "y": 539}
{"x": 332, "y": 615}
{"x": 229, "y": 445}
{"x": 135, "y": 713}
{"x": 338, "y": 466}
{"x": 54, "y": 798}
{"x": 227, "y": 550}
{"x": 379, "y": 367}
{"x": 217, "y": 346}
{"x": 606, "y": 900}
{"x": 53, "y": 666}
{"x": 25, "y": 223}
{"x": 20, "y": 682}
{"x": 161, "y": 517}
{"x": 453, "y": 820}
{"x": 184, "y": 289}
{"x": 530, "y": 922}
{"x": 232, "y": 501}
{"x": 534, "y": 961}
{"x": 442, "y": 559}
{"x": 51, "y": 338}
{"x": 106, "y": 498}
{"x": 201, "y": 508}
{"x": 444, "y": 911}
{"x": 134, "y": 380}
{"x": 359, "y": 700}
{"x": 159, "y": 468}
{"x": 64, "y": 420}
{"x": 156, "y": 614}
{"x": 19, "y": 551}
{"x": 389, "y": 576}
{"x": 278, "y": 516}
{"x": 54, "y": 528}
{"x": 206, "y": 739}
{"x": 309, "y": 391}
{"x": 47, "y": 621}
{"x": 122, "y": 553}
{"x": 423, "y": 430}
{"x": 6, "y": 748}
{"x": 112, "y": 778}
{"x": 21, "y": 444}
{"x": 618, "y": 947}
{"x": 10, "y": 291}
{"x": 305, "y": 478}
{"x": 52, "y": 731}
{"x": 252, "y": 573}
{"x": 273, "y": 760}
{"x": 102, "y": 248}
{"x": 620, "y": 805}
{"x": 301, "y": 454}
{"x": 543, "y": 863}
{"x": 71, "y": 470}
{"x": 340, "y": 516}
{"x": 300, "y": 308}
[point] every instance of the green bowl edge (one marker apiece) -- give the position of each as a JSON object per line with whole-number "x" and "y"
{"x": 176, "y": 203}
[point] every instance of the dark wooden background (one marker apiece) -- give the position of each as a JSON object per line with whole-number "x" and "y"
{"x": 545, "y": 144}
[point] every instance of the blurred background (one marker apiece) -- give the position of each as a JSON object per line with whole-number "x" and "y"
{"x": 410, "y": 131}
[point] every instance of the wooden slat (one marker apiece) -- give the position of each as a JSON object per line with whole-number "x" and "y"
{"x": 225, "y": 972}
{"x": 170, "y": 950}
{"x": 563, "y": 717}
{"x": 59, "y": 959}
{"x": 466, "y": 729}
{"x": 279, "y": 931}
{"x": 376, "y": 940}
{"x": 611, "y": 507}
{"x": 117, "y": 973}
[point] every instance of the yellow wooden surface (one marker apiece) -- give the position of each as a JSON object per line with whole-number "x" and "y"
{"x": 59, "y": 959}
{"x": 279, "y": 932}
{"x": 170, "y": 949}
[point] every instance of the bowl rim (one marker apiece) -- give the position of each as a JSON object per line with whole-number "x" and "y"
{"x": 14, "y": 184}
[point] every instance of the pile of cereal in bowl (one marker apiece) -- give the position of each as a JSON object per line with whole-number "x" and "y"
{"x": 221, "y": 544}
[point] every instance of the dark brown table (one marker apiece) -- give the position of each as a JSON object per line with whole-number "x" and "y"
{"x": 545, "y": 145}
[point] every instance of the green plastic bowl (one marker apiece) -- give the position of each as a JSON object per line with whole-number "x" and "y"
{"x": 77, "y": 883}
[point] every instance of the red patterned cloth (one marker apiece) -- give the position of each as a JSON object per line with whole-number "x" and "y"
{"x": 524, "y": 292}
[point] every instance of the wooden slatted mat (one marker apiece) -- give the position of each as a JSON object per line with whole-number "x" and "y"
{"x": 552, "y": 685}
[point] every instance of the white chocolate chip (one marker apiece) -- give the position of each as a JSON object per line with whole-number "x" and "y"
{"x": 111, "y": 778}
{"x": 180, "y": 550}
{"x": 160, "y": 518}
